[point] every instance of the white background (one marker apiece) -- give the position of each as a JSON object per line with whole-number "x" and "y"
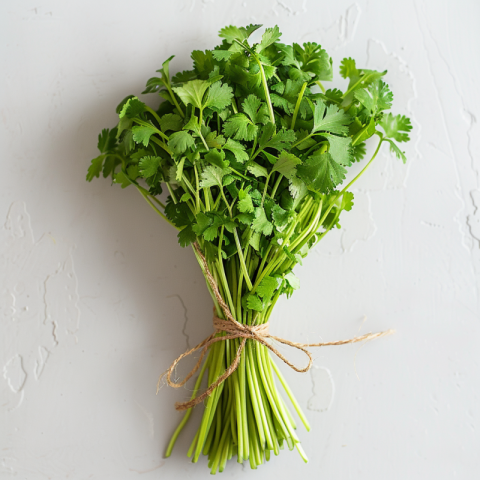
{"x": 97, "y": 298}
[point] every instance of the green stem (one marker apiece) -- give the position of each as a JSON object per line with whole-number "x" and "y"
{"x": 322, "y": 88}
{"x": 189, "y": 411}
{"x": 297, "y": 106}
{"x": 146, "y": 197}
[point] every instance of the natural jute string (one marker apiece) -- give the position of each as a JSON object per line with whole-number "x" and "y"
{"x": 234, "y": 329}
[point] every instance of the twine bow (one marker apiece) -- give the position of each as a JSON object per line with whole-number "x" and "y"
{"x": 234, "y": 329}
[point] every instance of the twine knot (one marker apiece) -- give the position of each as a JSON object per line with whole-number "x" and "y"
{"x": 233, "y": 329}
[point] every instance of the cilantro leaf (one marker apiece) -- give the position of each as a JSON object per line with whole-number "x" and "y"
{"x": 340, "y": 149}
{"x": 192, "y": 92}
{"x": 256, "y": 109}
{"x": 270, "y": 36}
{"x": 219, "y": 96}
{"x": 261, "y": 224}
{"x": 149, "y": 166}
{"x": 133, "y": 107}
{"x": 178, "y": 142}
{"x": 257, "y": 170}
{"x": 375, "y": 97}
{"x": 217, "y": 157}
{"x": 396, "y": 150}
{"x": 280, "y": 217}
{"x": 286, "y": 164}
{"x": 240, "y": 127}
{"x": 142, "y": 134}
{"x": 171, "y": 121}
{"x": 245, "y": 204}
{"x": 396, "y": 127}
{"x": 348, "y": 68}
{"x": 359, "y": 151}
{"x": 266, "y": 287}
{"x": 186, "y": 236}
{"x": 214, "y": 141}
{"x": 321, "y": 172}
{"x": 107, "y": 140}
{"x": 95, "y": 168}
{"x": 232, "y": 33}
{"x": 278, "y": 141}
{"x": 212, "y": 177}
{"x": 329, "y": 119}
{"x": 237, "y": 149}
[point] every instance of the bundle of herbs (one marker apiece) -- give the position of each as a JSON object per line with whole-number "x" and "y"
{"x": 254, "y": 153}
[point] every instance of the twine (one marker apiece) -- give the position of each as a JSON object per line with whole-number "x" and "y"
{"x": 234, "y": 329}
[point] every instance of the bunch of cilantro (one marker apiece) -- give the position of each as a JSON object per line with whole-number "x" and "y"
{"x": 254, "y": 152}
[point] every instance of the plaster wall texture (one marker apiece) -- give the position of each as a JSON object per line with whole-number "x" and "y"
{"x": 96, "y": 298}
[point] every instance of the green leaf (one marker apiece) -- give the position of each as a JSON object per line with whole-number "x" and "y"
{"x": 180, "y": 141}
{"x": 348, "y": 68}
{"x": 270, "y": 36}
{"x": 279, "y": 141}
{"x": 122, "y": 179}
{"x": 191, "y": 93}
{"x": 237, "y": 149}
{"x": 280, "y": 217}
{"x": 232, "y": 33}
{"x": 307, "y": 143}
{"x": 347, "y": 201}
{"x": 171, "y": 121}
{"x": 256, "y": 110}
{"x": 359, "y": 151}
{"x": 186, "y": 236}
{"x": 142, "y": 134}
{"x": 297, "y": 188}
{"x": 257, "y": 170}
{"x": 107, "y": 140}
{"x": 240, "y": 127}
{"x": 95, "y": 168}
{"x": 222, "y": 54}
{"x": 212, "y": 177}
{"x": 217, "y": 157}
{"x": 321, "y": 172}
{"x": 245, "y": 204}
{"x": 215, "y": 141}
{"x": 133, "y": 107}
{"x": 286, "y": 164}
{"x": 329, "y": 119}
{"x": 219, "y": 97}
{"x": 396, "y": 127}
{"x": 340, "y": 149}
{"x": 254, "y": 303}
{"x": 396, "y": 151}
{"x": 149, "y": 166}
{"x": 266, "y": 287}
{"x": 375, "y": 97}
{"x": 292, "y": 280}
{"x": 261, "y": 224}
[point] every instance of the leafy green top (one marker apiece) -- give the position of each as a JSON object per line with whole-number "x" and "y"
{"x": 251, "y": 155}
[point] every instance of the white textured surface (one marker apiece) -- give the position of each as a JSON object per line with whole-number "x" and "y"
{"x": 96, "y": 297}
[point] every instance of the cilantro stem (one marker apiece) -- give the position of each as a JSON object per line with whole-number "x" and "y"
{"x": 161, "y": 144}
{"x": 156, "y": 209}
{"x": 242, "y": 260}
{"x": 265, "y": 88}
{"x": 277, "y": 183}
{"x": 297, "y": 106}
{"x": 190, "y": 410}
{"x": 322, "y": 88}
{"x": 354, "y": 86}
{"x": 264, "y": 79}
{"x": 154, "y": 113}
{"x": 348, "y": 186}
{"x": 170, "y": 91}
